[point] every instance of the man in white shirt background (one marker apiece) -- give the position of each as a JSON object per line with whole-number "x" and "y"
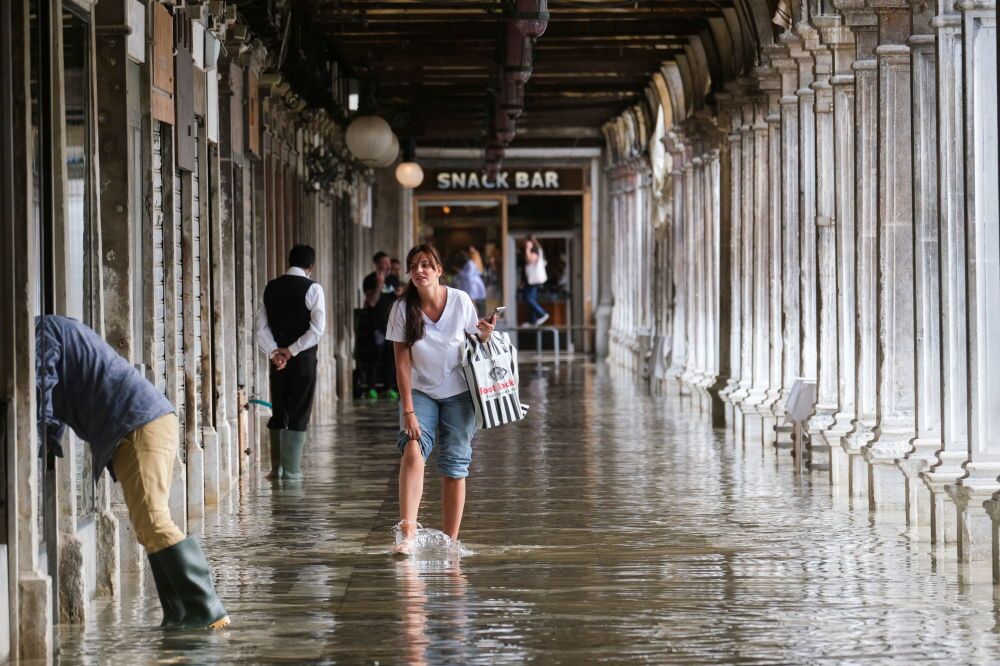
{"x": 289, "y": 327}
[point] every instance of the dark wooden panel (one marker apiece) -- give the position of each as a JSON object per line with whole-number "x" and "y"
{"x": 162, "y": 96}
{"x": 184, "y": 95}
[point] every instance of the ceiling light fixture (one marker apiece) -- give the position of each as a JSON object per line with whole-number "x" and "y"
{"x": 532, "y": 18}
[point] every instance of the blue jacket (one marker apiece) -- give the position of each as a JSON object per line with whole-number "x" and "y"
{"x": 83, "y": 383}
{"x": 470, "y": 281}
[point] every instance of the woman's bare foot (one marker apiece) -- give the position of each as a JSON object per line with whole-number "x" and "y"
{"x": 405, "y": 531}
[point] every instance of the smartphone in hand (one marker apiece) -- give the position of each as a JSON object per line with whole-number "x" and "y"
{"x": 497, "y": 313}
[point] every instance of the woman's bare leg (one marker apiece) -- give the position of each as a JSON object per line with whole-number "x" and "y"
{"x": 452, "y": 504}
{"x": 411, "y": 486}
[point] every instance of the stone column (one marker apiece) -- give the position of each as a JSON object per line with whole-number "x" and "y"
{"x": 790, "y": 269}
{"x": 947, "y": 466}
{"x": 808, "y": 318}
{"x": 840, "y": 39}
{"x": 691, "y": 279}
{"x": 771, "y": 409}
{"x": 746, "y": 264}
{"x": 927, "y": 311}
{"x": 827, "y": 362}
{"x": 895, "y": 426}
{"x": 722, "y": 188}
{"x": 699, "y": 273}
{"x": 982, "y": 269}
{"x": 710, "y": 274}
{"x": 754, "y": 406}
{"x": 864, "y": 26}
{"x": 717, "y": 324}
{"x": 678, "y": 347}
{"x": 734, "y": 251}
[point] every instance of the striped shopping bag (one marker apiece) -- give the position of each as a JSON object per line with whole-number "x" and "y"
{"x": 491, "y": 370}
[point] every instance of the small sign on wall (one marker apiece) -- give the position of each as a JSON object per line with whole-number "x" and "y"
{"x": 137, "y": 24}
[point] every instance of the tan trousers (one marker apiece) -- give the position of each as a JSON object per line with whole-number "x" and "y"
{"x": 144, "y": 464}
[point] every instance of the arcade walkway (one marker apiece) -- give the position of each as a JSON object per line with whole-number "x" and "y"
{"x": 620, "y": 527}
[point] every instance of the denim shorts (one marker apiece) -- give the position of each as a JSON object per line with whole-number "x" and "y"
{"x": 453, "y": 420}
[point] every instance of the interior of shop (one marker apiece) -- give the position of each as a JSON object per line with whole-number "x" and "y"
{"x": 492, "y": 233}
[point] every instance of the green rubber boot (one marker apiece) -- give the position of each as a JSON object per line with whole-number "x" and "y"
{"x": 170, "y": 601}
{"x": 185, "y": 568}
{"x": 291, "y": 455}
{"x": 275, "y": 472}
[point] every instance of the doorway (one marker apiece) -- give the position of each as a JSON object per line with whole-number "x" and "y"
{"x": 465, "y": 229}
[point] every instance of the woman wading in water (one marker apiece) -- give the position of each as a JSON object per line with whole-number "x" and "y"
{"x": 428, "y": 326}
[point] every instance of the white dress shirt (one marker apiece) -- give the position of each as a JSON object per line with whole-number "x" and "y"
{"x": 315, "y": 302}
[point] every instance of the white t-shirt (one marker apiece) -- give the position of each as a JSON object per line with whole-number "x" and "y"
{"x": 437, "y": 357}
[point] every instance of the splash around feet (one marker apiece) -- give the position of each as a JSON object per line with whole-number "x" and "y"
{"x": 426, "y": 544}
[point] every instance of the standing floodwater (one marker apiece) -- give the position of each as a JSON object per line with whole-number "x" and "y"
{"x": 616, "y": 527}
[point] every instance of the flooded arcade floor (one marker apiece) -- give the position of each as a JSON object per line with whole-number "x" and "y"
{"x": 613, "y": 526}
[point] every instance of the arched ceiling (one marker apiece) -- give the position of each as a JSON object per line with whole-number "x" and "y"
{"x": 433, "y": 62}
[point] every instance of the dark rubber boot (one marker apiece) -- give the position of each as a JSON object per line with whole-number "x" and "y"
{"x": 275, "y": 472}
{"x": 186, "y": 569}
{"x": 291, "y": 455}
{"x": 170, "y": 601}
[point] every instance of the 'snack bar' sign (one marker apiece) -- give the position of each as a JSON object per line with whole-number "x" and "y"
{"x": 525, "y": 180}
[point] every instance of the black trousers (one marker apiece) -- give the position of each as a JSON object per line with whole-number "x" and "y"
{"x": 292, "y": 392}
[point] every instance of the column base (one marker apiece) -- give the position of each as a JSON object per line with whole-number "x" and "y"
{"x": 886, "y": 485}
{"x": 753, "y": 426}
{"x": 210, "y": 446}
{"x": 918, "y": 498}
{"x": 35, "y": 617}
{"x": 974, "y": 525}
{"x": 839, "y": 472}
{"x": 224, "y": 433}
{"x": 195, "y": 482}
{"x": 72, "y": 588}
{"x": 178, "y": 495}
{"x": 854, "y": 443}
{"x": 108, "y": 556}
{"x": 818, "y": 457}
{"x": 992, "y": 507}
{"x": 943, "y": 514}
{"x": 857, "y": 477}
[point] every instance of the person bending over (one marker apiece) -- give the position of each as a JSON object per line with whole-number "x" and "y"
{"x": 132, "y": 430}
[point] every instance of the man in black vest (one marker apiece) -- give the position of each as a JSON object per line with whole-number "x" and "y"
{"x": 289, "y": 328}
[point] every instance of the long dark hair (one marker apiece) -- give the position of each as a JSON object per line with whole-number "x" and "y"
{"x": 414, "y": 328}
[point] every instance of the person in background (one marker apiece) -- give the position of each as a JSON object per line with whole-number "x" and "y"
{"x": 477, "y": 259}
{"x": 428, "y": 326}
{"x": 83, "y": 383}
{"x": 534, "y": 277}
{"x": 289, "y": 327}
{"x": 469, "y": 279}
{"x": 396, "y": 271}
{"x": 382, "y": 289}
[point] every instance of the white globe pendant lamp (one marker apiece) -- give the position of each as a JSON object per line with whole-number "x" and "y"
{"x": 409, "y": 175}
{"x": 386, "y": 158}
{"x": 369, "y": 138}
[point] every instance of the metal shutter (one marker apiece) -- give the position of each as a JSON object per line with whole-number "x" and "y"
{"x": 196, "y": 278}
{"x": 159, "y": 359}
{"x": 178, "y": 322}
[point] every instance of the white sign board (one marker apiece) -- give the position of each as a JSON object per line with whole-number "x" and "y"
{"x": 801, "y": 401}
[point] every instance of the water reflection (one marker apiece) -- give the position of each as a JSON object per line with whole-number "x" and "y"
{"x": 613, "y": 526}
{"x": 434, "y": 589}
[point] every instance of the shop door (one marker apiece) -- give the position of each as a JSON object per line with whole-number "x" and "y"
{"x": 559, "y": 295}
